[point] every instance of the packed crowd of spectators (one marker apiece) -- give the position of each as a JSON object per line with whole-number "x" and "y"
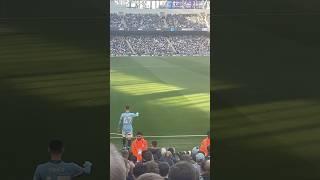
{"x": 149, "y": 22}
{"x": 157, "y": 45}
{"x": 190, "y": 45}
{"x": 119, "y": 46}
{"x": 144, "y": 22}
{"x": 150, "y": 45}
{"x": 116, "y": 22}
{"x": 156, "y": 163}
{"x": 186, "y": 21}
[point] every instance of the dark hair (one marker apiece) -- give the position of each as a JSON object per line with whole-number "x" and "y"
{"x": 56, "y": 146}
{"x": 147, "y": 155}
{"x": 176, "y": 157}
{"x": 171, "y": 150}
{"x": 152, "y": 167}
{"x": 127, "y": 107}
{"x": 163, "y": 169}
{"x": 154, "y": 143}
{"x": 139, "y": 133}
{"x": 185, "y": 157}
{"x": 150, "y": 176}
{"x": 183, "y": 171}
{"x": 156, "y": 153}
{"x": 139, "y": 169}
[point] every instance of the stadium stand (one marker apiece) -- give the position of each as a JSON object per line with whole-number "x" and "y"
{"x": 155, "y": 34}
{"x": 119, "y": 46}
{"x": 160, "y": 45}
{"x": 116, "y": 22}
{"x": 148, "y": 22}
{"x": 146, "y": 32}
{"x": 197, "y": 165}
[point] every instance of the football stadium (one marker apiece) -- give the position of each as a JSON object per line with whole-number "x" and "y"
{"x": 160, "y": 68}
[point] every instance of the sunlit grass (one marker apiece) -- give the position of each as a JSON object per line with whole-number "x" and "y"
{"x": 138, "y": 86}
{"x": 146, "y": 88}
{"x": 118, "y": 78}
{"x": 199, "y": 101}
{"x": 170, "y": 93}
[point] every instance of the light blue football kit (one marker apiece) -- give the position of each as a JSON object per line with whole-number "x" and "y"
{"x": 126, "y": 120}
{"x": 60, "y": 170}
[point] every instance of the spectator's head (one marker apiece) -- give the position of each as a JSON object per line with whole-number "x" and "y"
{"x": 127, "y": 108}
{"x": 150, "y": 176}
{"x": 147, "y": 155}
{"x": 139, "y": 135}
{"x": 176, "y": 156}
{"x": 56, "y": 147}
{"x": 172, "y": 150}
{"x": 186, "y": 157}
{"x": 152, "y": 167}
{"x": 183, "y": 171}
{"x": 195, "y": 150}
{"x": 168, "y": 154}
{"x": 156, "y": 154}
{"x": 139, "y": 169}
{"x": 117, "y": 165}
{"x": 201, "y": 152}
{"x": 189, "y": 153}
{"x": 154, "y": 144}
{"x": 164, "y": 169}
{"x": 200, "y": 157}
{"x": 163, "y": 151}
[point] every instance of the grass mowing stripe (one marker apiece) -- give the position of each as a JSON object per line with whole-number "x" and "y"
{"x": 161, "y": 119}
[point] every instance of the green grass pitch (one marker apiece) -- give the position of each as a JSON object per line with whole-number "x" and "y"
{"x": 170, "y": 93}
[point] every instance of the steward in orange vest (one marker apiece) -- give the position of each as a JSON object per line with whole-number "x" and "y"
{"x": 204, "y": 144}
{"x": 139, "y": 145}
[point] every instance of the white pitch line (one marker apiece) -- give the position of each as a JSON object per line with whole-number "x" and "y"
{"x": 115, "y": 137}
{"x": 116, "y": 134}
{"x": 172, "y": 136}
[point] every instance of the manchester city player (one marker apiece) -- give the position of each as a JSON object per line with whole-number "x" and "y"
{"x": 125, "y": 122}
{"x": 56, "y": 169}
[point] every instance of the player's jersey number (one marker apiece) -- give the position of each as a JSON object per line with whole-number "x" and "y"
{"x": 126, "y": 120}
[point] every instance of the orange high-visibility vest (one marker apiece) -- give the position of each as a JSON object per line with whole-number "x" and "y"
{"x": 139, "y": 146}
{"x": 204, "y": 145}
